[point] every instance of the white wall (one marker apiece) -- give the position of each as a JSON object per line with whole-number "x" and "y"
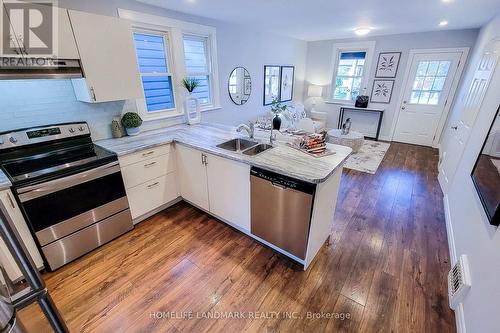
{"x": 472, "y": 233}
{"x": 30, "y": 103}
{"x": 320, "y": 56}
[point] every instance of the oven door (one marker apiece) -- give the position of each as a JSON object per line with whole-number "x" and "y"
{"x": 62, "y": 208}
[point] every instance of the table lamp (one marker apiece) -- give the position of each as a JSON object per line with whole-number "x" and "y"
{"x": 314, "y": 91}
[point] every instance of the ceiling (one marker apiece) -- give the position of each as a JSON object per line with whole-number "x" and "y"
{"x": 330, "y": 19}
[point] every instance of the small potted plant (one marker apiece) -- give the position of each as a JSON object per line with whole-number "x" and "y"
{"x": 277, "y": 108}
{"x": 191, "y": 103}
{"x": 132, "y": 122}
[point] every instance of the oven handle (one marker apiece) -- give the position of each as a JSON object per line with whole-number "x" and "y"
{"x": 35, "y": 191}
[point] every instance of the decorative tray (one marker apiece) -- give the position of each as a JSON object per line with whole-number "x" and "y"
{"x": 327, "y": 152}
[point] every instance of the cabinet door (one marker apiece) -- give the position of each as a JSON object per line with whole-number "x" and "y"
{"x": 229, "y": 190}
{"x": 15, "y": 214}
{"x": 64, "y": 47}
{"x": 192, "y": 176}
{"x": 108, "y": 58}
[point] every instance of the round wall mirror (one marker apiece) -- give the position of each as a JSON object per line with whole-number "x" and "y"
{"x": 239, "y": 85}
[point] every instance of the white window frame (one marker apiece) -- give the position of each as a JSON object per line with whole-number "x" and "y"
{"x": 210, "y": 65}
{"x": 175, "y": 29}
{"x": 369, "y": 48}
{"x": 141, "y": 102}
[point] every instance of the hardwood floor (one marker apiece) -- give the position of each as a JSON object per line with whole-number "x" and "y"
{"x": 384, "y": 270}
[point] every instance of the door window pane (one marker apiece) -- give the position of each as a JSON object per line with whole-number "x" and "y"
{"x": 429, "y": 82}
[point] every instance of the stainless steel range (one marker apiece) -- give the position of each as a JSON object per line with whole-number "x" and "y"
{"x": 71, "y": 191}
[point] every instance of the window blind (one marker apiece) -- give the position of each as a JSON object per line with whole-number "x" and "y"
{"x": 197, "y": 65}
{"x": 153, "y": 67}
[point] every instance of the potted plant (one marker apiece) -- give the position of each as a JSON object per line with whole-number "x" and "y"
{"x": 191, "y": 102}
{"x": 132, "y": 121}
{"x": 277, "y": 108}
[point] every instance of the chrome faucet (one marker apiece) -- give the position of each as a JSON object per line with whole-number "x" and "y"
{"x": 250, "y": 128}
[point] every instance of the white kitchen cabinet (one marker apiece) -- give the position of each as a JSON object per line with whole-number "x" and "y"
{"x": 6, "y": 258}
{"x": 108, "y": 58}
{"x": 64, "y": 48}
{"x": 150, "y": 179}
{"x": 192, "y": 176}
{"x": 229, "y": 190}
{"x": 152, "y": 194}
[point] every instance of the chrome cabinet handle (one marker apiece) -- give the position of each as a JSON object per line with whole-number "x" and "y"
{"x": 148, "y": 153}
{"x": 147, "y": 165}
{"x": 153, "y": 185}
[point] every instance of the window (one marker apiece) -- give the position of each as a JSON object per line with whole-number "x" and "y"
{"x": 429, "y": 82}
{"x": 350, "y": 71}
{"x": 197, "y": 62}
{"x": 153, "y": 60}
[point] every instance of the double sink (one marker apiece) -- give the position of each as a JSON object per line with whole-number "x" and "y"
{"x": 247, "y": 147}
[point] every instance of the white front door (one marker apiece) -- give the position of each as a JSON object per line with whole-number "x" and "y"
{"x": 425, "y": 95}
{"x": 452, "y": 149}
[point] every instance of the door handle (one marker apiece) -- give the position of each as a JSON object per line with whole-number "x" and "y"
{"x": 403, "y": 107}
{"x": 454, "y": 127}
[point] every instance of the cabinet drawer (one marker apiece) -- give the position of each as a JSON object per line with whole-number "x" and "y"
{"x": 140, "y": 172}
{"x": 152, "y": 194}
{"x": 144, "y": 155}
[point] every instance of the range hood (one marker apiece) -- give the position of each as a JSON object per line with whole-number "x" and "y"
{"x": 16, "y": 68}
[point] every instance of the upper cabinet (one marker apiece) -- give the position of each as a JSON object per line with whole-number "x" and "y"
{"x": 65, "y": 48}
{"x": 108, "y": 58}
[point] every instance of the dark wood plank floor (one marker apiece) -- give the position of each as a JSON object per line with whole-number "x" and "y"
{"x": 384, "y": 271}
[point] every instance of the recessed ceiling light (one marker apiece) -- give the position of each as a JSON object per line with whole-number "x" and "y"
{"x": 443, "y": 23}
{"x": 361, "y": 31}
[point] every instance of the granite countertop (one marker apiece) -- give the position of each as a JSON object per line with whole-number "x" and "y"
{"x": 205, "y": 137}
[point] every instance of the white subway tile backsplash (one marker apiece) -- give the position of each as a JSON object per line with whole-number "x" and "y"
{"x": 26, "y": 103}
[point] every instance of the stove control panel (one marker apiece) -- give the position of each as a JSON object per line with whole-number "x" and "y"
{"x": 28, "y": 136}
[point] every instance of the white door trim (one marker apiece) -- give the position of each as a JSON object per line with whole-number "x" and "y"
{"x": 451, "y": 96}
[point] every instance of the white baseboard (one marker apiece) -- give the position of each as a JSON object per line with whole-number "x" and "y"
{"x": 460, "y": 318}
{"x": 449, "y": 230}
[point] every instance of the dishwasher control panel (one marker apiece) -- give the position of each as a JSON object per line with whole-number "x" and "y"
{"x": 283, "y": 181}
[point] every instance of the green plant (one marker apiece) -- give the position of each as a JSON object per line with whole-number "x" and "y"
{"x": 277, "y": 107}
{"x": 131, "y": 120}
{"x": 190, "y": 83}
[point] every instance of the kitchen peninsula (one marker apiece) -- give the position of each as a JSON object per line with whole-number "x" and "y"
{"x": 163, "y": 166}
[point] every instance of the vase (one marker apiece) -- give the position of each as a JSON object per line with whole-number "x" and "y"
{"x": 192, "y": 110}
{"x": 276, "y": 122}
{"x": 133, "y": 131}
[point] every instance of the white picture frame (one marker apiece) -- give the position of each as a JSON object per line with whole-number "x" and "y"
{"x": 388, "y": 64}
{"x": 287, "y": 78}
{"x": 382, "y": 91}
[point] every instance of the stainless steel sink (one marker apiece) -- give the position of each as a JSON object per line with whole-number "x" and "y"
{"x": 262, "y": 147}
{"x": 237, "y": 145}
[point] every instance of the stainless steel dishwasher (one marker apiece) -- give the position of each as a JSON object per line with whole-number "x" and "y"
{"x": 281, "y": 209}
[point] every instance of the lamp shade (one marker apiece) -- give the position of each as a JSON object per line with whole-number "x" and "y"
{"x": 314, "y": 91}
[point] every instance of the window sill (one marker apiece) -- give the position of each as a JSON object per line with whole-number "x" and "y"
{"x": 210, "y": 108}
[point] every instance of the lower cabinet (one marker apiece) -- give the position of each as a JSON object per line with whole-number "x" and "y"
{"x": 17, "y": 217}
{"x": 192, "y": 176}
{"x": 216, "y": 184}
{"x": 150, "y": 195}
{"x": 229, "y": 190}
{"x": 150, "y": 179}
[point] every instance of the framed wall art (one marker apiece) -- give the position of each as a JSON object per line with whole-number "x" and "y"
{"x": 387, "y": 65}
{"x": 382, "y": 91}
